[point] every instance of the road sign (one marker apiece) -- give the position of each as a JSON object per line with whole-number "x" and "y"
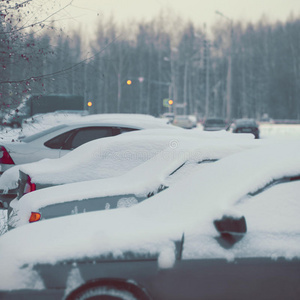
{"x": 166, "y": 102}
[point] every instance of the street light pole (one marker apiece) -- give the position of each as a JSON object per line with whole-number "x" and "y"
{"x": 229, "y": 70}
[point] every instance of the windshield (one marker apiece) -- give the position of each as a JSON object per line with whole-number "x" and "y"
{"x": 215, "y": 122}
{"x": 245, "y": 123}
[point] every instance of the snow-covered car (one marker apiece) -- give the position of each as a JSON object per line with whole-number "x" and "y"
{"x": 56, "y": 141}
{"x": 245, "y": 126}
{"x": 98, "y": 159}
{"x": 183, "y": 121}
{"x": 210, "y": 236}
{"x": 156, "y": 174}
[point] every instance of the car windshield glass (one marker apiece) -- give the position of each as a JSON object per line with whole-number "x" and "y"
{"x": 215, "y": 122}
{"x": 245, "y": 122}
{"x": 42, "y": 133}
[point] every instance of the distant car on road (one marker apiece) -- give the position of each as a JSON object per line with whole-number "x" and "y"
{"x": 169, "y": 116}
{"x": 245, "y": 126}
{"x": 214, "y": 124}
{"x": 183, "y": 121}
{"x": 209, "y": 236}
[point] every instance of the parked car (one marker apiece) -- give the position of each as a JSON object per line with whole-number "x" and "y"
{"x": 213, "y": 124}
{"x": 101, "y": 158}
{"x": 194, "y": 120}
{"x": 210, "y": 236}
{"x": 56, "y": 141}
{"x": 183, "y": 121}
{"x": 147, "y": 179}
{"x": 245, "y": 126}
{"x": 169, "y": 116}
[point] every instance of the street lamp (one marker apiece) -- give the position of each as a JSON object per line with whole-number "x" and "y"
{"x": 229, "y": 72}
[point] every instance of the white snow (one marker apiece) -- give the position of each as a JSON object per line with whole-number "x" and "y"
{"x": 45, "y": 121}
{"x": 188, "y": 207}
{"x": 141, "y": 180}
{"x": 108, "y": 157}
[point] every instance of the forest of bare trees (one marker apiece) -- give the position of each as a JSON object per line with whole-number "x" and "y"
{"x": 163, "y": 58}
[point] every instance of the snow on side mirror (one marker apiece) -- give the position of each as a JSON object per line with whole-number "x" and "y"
{"x": 231, "y": 228}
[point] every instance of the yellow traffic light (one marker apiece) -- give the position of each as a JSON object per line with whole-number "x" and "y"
{"x": 129, "y": 82}
{"x": 90, "y": 103}
{"x": 170, "y": 102}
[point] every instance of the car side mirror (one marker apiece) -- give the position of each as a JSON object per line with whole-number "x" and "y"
{"x": 232, "y": 229}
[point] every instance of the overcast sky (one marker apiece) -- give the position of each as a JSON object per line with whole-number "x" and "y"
{"x": 199, "y": 11}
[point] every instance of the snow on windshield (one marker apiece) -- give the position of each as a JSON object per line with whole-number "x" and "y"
{"x": 188, "y": 207}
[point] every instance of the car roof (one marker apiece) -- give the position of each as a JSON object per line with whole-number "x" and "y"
{"x": 45, "y": 122}
{"x": 116, "y": 120}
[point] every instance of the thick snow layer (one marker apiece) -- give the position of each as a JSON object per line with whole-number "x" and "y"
{"x": 282, "y": 131}
{"x": 188, "y": 207}
{"x": 141, "y": 180}
{"x": 109, "y": 157}
{"x": 42, "y": 122}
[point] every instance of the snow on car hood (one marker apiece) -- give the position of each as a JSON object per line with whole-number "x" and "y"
{"x": 107, "y": 157}
{"x": 188, "y": 207}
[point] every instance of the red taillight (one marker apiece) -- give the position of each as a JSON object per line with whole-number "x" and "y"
{"x": 29, "y": 186}
{"x": 34, "y": 217}
{"x": 5, "y": 158}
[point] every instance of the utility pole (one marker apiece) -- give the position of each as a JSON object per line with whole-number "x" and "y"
{"x": 206, "y": 66}
{"x": 229, "y": 70}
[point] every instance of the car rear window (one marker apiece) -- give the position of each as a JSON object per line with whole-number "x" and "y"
{"x": 85, "y": 135}
{"x": 215, "y": 121}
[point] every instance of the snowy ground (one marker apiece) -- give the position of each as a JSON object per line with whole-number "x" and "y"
{"x": 280, "y": 131}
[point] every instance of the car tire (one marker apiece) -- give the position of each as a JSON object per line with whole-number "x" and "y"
{"x": 104, "y": 293}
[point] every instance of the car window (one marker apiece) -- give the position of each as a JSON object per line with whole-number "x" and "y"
{"x": 85, "y": 135}
{"x": 59, "y": 141}
{"x": 215, "y": 122}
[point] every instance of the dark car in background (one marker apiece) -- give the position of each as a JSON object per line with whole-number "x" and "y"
{"x": 245, "y": 126}
{"x": 214, "y": 124}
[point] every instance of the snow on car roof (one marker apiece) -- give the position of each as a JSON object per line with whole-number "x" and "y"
{"x": 45, "y": 121}
{"x": 98, "y": 158}
{"x": 140, "y": 180}
{"x": 188, "y": 207}
{"x": 138, "y": 120}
